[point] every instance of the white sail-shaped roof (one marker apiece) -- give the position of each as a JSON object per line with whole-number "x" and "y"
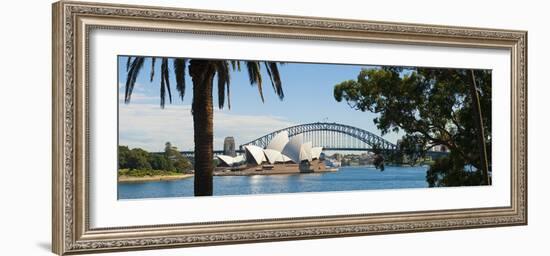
{"x": 229, "y": 160}
{"x": 292, "y": 148}
{"x": 256, "y": 152}
{"x": 285, "y": 158}
{"x": 239, "y": 159}
{"x": 316, "y": 152}
{"x": 273, "y": 156}
{"x": 305, "y": 151}
{"x": 278, "y": 142}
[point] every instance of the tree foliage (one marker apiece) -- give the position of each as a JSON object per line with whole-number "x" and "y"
{"x": 139, "y": 159}
{"x": 123, "y": 154}
{"x": 159, "y": 162}
{"x": 175, "y": 160}
{"x": 450, "y": 172}
{"x": 431, "y": 106}
{"x": 221, "y": 68}
{"x": 378, "y": 159}
{"x": 411, "y": 148}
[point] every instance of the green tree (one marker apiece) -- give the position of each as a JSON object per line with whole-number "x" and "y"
{"x": 379, "y": 162}
{"x": 169, "y": 150}
{"x": 449, "y": 171}
{"x": 182, "y": 165}
{"x": 378, "y": 159}
{"x": 160, "y": 162}
{"x": 412, "y": 147}
{"x": 202, "y": 73}
{"x": 138, "y": 159}
{"x": 176, "y": 159}
{"x": 437, "y": 106}
{"x": 123, "y": 154}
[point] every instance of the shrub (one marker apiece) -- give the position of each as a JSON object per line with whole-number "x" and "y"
{"x": 450, "y": 171}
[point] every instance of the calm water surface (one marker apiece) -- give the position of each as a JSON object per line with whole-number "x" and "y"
{"x": 347, "y": 178}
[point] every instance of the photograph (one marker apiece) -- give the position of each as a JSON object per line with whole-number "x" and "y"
{"x": 218, "y": 127}
{"x": 180, "y": 125}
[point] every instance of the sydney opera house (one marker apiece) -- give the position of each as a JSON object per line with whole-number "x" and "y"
{"x": 282, "y": 154}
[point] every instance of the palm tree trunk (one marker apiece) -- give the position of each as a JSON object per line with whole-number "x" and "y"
{"x": 202, "y": 75}
{"x": 481, "y": 134}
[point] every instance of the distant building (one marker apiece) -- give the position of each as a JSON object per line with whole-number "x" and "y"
{"x": 229, "y": 147}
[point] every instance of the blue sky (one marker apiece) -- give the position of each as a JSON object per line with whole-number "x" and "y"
{"x": 308, "y": 98}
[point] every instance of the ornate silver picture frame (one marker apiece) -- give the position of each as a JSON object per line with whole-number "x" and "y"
{"x": 74, "y": 21}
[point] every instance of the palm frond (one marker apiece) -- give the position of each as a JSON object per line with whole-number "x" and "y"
{"x": 128, "y": 63}
{"x": 162, "y": 92}
{"x": 179, "y": 70}
{"x": 133, "y": 72}
{"x": 236, "y": 65}
{"x": 164, "y": 82}
{"x": 255, "y": 76}
{"x": 275, "y": 77}
{"x": 223, "y": 72}
{"x": 222, "y": 69}
{"x": 153, "y": 59}
{"x": 228, "y": 96}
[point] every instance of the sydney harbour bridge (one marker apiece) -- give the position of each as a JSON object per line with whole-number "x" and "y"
{"x": 329, "y": 136}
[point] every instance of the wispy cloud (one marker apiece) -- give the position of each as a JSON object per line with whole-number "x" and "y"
{"x": 148, "y": 126}
{"x": 138, "y": 97}
{"x": 139, "y": 94}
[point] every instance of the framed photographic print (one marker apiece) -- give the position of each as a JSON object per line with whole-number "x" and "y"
{"x": 178, "y": 127}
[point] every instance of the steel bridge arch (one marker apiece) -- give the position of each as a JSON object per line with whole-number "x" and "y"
{"x": 363, "y": 135}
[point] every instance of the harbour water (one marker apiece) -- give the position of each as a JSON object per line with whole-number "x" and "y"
{"x": 346, "y": 179}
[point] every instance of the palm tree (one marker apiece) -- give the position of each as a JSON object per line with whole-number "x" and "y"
{"x": 202, "y": 73}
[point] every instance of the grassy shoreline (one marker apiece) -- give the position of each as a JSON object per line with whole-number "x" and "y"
{"x": 127, "y": 175}
{"x": 129, "y": 179}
